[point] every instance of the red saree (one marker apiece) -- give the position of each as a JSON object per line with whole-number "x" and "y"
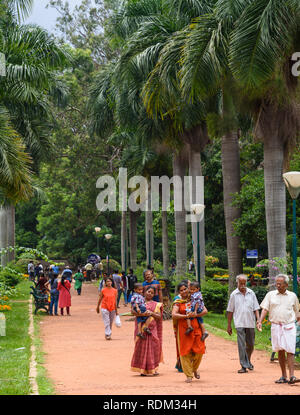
{"x": 148, "y": 353}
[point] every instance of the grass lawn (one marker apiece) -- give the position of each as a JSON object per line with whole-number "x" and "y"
{"x": 217, "y": 324}
{"x": 14, "y": 364}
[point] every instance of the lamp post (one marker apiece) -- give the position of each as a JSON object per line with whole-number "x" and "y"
{"x": 107, "y": 237}
{"x": 97, "y": 230}
{"x": 198, "y": 210}
{"x": 292, "y": 182}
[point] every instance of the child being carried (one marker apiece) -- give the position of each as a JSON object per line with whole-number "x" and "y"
{"x": 197, "y": 306}
{"x": 139, "y": 306}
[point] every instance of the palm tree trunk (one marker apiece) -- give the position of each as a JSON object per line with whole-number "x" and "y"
{"x": 231, "y": 185}
{"x": 194, "y": 171}
{"x": 133, "y": 216}
{"x": 11, "y": 231}
{"x": 165, "y": 245}
{"x": 275, "y": 200}
{"x": 3, "y": 233}
{"x": 179, "y": 169}
{"x": 149, "y": 232}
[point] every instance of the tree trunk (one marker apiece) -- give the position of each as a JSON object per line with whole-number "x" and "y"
{"x": 11, "y": 231}
{"x": 165, "y": 245}
{"x": 231, "y": 185}
{"x": 194, "y": 171}
{"x": 3, "y": 233}
{"x": 275, "y": 201}
{"x": 179, "y": 169}
{"x": 149, "y": 232}
{"x": 133, "y": 216}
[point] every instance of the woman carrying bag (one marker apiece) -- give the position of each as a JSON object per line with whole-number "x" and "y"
{"x": 108, "y": 300}
{"x": 64, "y": 300}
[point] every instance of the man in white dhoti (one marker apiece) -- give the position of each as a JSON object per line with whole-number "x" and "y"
{"x": 283, "y": 308}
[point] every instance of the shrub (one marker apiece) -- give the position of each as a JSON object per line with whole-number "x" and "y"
{"x": 210, "y": 272}
{"x": 260, "y": 292}
{"x": 113, "y": 265}
{"x": 215, "y": 296}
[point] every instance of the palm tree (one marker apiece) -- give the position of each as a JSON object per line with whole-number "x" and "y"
{"x": 205, "y": 73}
{"x": 31, "y": 85}
{"x": 154, "y": 46}
{"x": 15, "y": 178}
{"x": 265, "y": 36}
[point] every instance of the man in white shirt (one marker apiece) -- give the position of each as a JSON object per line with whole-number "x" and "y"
{"x": 243, "y": 307}
{"x": 283, "y": 308}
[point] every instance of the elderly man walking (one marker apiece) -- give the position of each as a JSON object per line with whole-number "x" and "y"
{"x": 244, "y": 308}
{"x": 283, "y": 308}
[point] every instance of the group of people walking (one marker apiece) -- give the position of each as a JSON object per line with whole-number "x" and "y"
{"x": 243, "y": 309}
{"x": 58, "y": 286}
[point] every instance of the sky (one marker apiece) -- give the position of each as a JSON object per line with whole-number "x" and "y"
{"x": 46, "y": 18}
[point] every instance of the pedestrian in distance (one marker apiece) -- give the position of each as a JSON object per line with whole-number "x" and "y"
{"x": 42, "y": 284}
{"x": 118, "y": 284}
{"x": 64, "y": 301}
{"x": 102, "y": 282}
{"x": 108, "y": 301}
{"x": 54, "y": 293}
{"x": 89, "y": 268}
{"x": 67, "y": 273}
{"x": 283, "y": 308}
{"x": 78, "y": 277}
{"x": 30, "y": 269}
{"x": 244, "y": 308}
{"x": 125, "y": 287}
{"x": 150, "y": 281}
{"x": 132, "y": 279}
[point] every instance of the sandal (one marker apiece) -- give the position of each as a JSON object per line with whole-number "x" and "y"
{"x": 189, "y": 380}
{"x": 197, "y": 375}
{"x": 293, "y": 380}
{"x": 282, "y": 380}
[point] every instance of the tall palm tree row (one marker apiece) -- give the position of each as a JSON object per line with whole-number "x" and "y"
{"x": 198, "y": 68}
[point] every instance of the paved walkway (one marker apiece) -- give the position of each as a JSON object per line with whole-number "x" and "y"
{"x": 81, "y": 362}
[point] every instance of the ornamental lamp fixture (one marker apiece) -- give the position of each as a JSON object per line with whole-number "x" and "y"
{"x": 292, "y": 182}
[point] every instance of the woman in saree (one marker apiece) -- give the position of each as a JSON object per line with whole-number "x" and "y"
{"x": 189, "y": 346}
{"x": 148, "y": 352}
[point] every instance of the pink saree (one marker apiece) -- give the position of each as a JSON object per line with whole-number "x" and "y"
{"x": 148, "y": 353}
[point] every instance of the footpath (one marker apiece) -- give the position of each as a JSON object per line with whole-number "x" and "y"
{"x": 80, "y": 361}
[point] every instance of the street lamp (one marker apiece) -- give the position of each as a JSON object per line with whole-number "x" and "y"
{"x": 198, "y": 210}
{"x": 97, "y": 230}
{"x": 107, "y": 237}
{"x": 292, "y": 182}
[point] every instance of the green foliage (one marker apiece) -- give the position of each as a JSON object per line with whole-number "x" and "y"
{"x": 215, "y": 296}
{"x": 260, "y": 292}
{"x": 113, "y": 265}
{"x": 210, "y": 272}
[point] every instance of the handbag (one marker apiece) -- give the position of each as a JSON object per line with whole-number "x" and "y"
{"x": 118, "y": 321}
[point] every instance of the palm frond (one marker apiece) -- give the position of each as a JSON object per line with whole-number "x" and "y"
{"x": 263, "y": 38}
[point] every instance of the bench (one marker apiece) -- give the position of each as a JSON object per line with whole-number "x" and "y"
{"x": 40, "y": 300}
